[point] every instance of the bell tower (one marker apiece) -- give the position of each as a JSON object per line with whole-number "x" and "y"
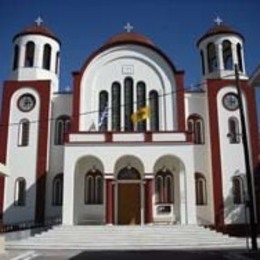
{"x": 36, "y": 55}
{"x": 221, "y": 48}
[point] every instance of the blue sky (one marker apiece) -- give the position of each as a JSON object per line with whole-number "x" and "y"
{"x": 174, "y": 26}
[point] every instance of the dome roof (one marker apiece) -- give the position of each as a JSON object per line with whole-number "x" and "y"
{"x": 129, "y": 37}
{"x": 219, "y": 29}
{"x": 37, "y": 29}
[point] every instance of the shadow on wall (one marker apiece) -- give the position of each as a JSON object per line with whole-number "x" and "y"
{"x": 235, "y": 213}
{"x": 23, "y": 213}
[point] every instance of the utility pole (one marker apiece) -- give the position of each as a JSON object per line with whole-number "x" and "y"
{"x": 249, "y": 176}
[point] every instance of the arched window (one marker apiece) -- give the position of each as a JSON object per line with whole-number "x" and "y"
{"x": 116, "y": 106}
{"x": 20, "y": 192}
{"x": 227, "y": 55}
{"x": 201, "y": 190}
{"x": 202, "y": 62}
{"x": 212, "y": 58}
{"x": 103, "y": 110}
{"x": 23, "y": 132}
{"x": 29, "y": 54}
{"x": 237, "y": 190}
{"x": 164, "y": 187}
{"x": 128, "y": 86}
{"x": 233, "y": 130}
{"x": 154, "y": 106}
{"x": 57, "y": 63}
{"x": 239, "y": 57}
{"x": 16, "y": 57}
{"x": 93, "y": 187}
{"x": 47, "y": 57}
{"x": 141, "y": 102}
{"x": 57, "y": 190}
{"x": 62, "y": 127}
{"x": 196, "y": 127}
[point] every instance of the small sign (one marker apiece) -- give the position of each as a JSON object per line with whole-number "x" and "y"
{"x": 128, "y": 69}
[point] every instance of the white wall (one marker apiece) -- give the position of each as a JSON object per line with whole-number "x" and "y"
{"x": 145, "y": 65}
{"x": 21, "y": 160}
{"x": 232, "y": 159}
{"x": 61, "y": 104}
{"x": 196, "y": 103}
{"x": 109, "y": 159}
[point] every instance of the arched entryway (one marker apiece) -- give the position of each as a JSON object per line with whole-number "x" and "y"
{"x": 129, "y": 191}
{"x": 129, "y": 197}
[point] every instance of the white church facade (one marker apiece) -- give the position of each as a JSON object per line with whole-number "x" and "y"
{"x": 80, "y": 155}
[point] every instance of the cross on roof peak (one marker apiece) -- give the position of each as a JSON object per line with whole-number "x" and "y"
{"x": 39, "y": 21}
{"x": 128, "y": 27}
{"x": 218, "y": 20}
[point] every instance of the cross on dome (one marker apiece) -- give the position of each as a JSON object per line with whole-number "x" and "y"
{"x": 218, "y": 20}
{"x": 39, "y": 21}
{"x": 128, "y": 27}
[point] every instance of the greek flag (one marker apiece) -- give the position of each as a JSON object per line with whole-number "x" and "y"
{"x": 103, "y": 117}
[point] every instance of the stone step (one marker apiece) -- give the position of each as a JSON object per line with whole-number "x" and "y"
{"x": 127, "y": 237}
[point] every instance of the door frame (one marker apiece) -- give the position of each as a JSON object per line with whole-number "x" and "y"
{"x": 142, "y": 202}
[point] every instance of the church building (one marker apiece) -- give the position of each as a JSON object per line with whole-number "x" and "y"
{"x": 129, "y": 145}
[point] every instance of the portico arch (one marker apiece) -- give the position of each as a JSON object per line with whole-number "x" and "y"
{"x": 169, "y": 190}
{"x": 89, "y": 174}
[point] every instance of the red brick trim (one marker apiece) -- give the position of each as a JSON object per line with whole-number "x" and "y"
{"x": 148, "y": 201}
{"x": 213, "y": 88}
{"x": 180, "y": 101}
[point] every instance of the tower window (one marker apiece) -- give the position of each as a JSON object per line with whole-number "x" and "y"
{"x": 116, "y": 106}
{"x": 29, "y": 54}
{"x": 196, "y": 127}
{"x": 227, "y": 55}
{"x": 154, "y": 106}
{"x": 20, "y": 192}
{"x": 62, "y": 127}
{"x": 237, "y": 190}
{"x": 47, "y": 57}
{"x": 212, "y": 58}
{"x": 57, "y": 190}
{"x": 239, "y": 57}
{"x": 16, "y": 57}
{"x": 202, "y": 62}
{"x": 200, "y": 188}
{"x": 23, "y": 132}
{"x": 233, "y": 130}
{"x": 93, "y": 187}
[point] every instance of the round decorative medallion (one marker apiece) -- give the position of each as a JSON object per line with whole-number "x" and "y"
{"x": 230, "y": 101}
{"x": 26, "y": 102}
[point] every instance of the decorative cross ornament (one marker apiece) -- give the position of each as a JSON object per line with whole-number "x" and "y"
{"x": 218, "y": 20}
{"x": 128, "y": 27}
{"x": 39, "y": 21}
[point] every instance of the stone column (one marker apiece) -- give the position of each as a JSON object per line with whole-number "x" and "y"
{"x": 183, "y": 199}
{"x": 68, "y": 191}
{"x": 109, "y": 201}
{"x": 219, "y": 54}
{"x": 149, "y": 201}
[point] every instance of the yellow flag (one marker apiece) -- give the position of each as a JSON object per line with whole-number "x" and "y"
{"x": 141, "y": 114}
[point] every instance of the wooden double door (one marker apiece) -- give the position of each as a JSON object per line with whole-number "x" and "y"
{"x": 129, "y": 203}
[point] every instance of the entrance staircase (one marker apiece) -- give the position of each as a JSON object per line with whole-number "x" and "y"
{"x": 156, "y": 237}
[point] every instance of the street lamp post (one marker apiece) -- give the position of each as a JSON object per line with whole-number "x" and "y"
{"x": 249, "y": 176}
